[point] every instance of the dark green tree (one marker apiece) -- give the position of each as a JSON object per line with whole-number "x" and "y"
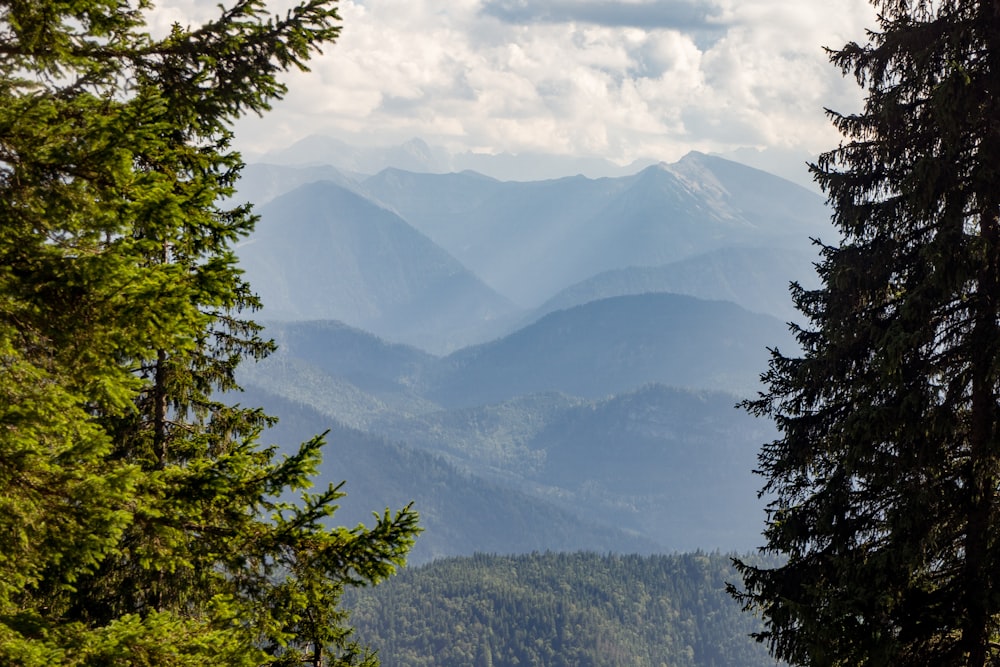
{"x": 140, "y": 520}
{"x": 885, "y": 478}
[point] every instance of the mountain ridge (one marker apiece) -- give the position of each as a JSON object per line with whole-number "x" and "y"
{"x": 323, "y": 251}
{"x": 528, "y": 240}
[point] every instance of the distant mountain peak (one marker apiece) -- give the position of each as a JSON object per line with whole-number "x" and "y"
{"x": 694, "y": 180}
{"x": 698, "y": 178}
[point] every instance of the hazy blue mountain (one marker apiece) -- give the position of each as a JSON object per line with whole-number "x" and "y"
{"x": 670, "y": 465}
{"x": 530, "y": 240}
{"x": 520, "y": 238}
{"x": 754, "y": 278}
{"x": 349, "y": 250}
{"x": 667, "y": 466}
{"x": 614, "y": 345}
{"x": 768, "y": 202}
{"x": 325, "y": 252}
{"x": 260, "y": 183}
{"x": 416, "y": 155}
{"x": 605, "y": 409}
{"x": 460, "y": 514}
{"x": 442, "y": 206}
{"x": 674, "y": 466}
{"x": 481, "y": 220}
{"x": 699, "y": 204}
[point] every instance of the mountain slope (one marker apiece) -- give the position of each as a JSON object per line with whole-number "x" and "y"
{"x": 670, "y": 465}
{"x": 460, "y": 514}
{"x": 511, "y": 234}
{"x": 494, "y": 440}
{"x": 614, "y": 345}
{"x": 560, "y": 610}
{"x": 347, "y": 352}
{"x": 675, "y": 466}
{"x": 344, "y": 373}
{"x": 756, "y": 279}
{"x": 324, "y": 252}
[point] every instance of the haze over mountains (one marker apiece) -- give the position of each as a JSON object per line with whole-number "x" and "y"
{"x": 417, "y": 156}
{"x": 576, "y": 345}
{"x": 325, "y": 252}
{"x": 530, "y": 240}
{"x": 414, "y": 256}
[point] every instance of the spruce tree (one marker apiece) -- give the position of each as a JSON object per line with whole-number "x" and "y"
{"x": 885, "y": 479}
{"x": 141, "y": 522}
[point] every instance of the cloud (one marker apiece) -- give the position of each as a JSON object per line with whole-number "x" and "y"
{"x": 654, "y": 14}
{"x": 622, "y": 79}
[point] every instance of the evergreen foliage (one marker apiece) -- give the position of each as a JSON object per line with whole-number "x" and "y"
{"x": 140, "y": 520}
{"x": 566, "y": 610}
{"x": 886, "y": 477}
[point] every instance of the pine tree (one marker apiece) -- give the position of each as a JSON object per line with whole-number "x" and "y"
{"x": 886, "y": 477}
{"x": 140, "y": 520}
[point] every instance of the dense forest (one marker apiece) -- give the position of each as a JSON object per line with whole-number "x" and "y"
{"x": 559, "y": 610}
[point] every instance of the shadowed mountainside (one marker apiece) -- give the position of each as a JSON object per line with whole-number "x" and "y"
{"x": 325, "y": 252}
{"x": 755, "y": 278}
{"x": 614, "y": 345}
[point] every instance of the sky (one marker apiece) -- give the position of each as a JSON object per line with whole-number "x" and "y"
{"x": 622, "y": 80}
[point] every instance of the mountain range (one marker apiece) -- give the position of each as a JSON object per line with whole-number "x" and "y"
{"x": 549, "y": 364}
{"x": 459, "y": 513}
{"x": 442, "y": 261}
{"x": 547, "y": 410}
{"x": 418, "y": 156}
{"x": 323, "y": 251}
{"x": 530, "y": 240}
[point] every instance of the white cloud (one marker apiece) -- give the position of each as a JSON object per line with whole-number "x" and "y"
{"x": 623, "y": 79}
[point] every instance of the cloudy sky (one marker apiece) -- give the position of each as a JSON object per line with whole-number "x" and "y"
{"x": 619, "y": 79}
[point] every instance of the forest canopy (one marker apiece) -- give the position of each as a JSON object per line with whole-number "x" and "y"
{"x": 560, "y": 610}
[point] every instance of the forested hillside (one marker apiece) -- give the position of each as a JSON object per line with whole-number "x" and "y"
{"x": 559, "y": 610}
{"x": 459, "y": 514}
{"x": 672, "y": 466}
